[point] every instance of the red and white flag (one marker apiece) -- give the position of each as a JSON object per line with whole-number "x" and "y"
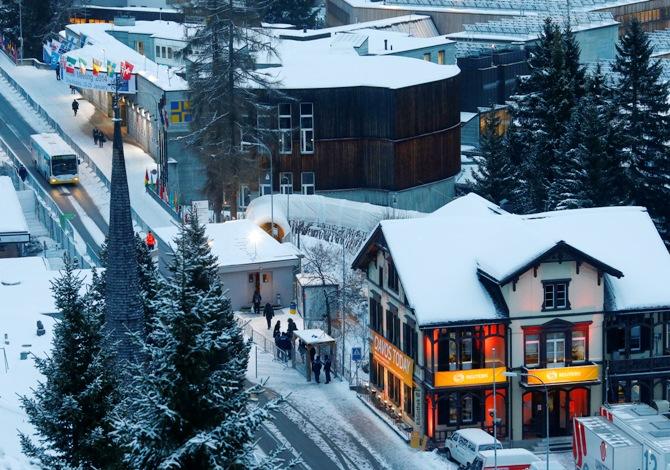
{"x": 126, "y": 70}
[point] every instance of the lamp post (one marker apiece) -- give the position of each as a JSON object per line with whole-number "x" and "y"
{"x": 272, "y": 206}
{"x": 21, "y": 29}
{"x": 495, "y": 415}
{"x": 546, "y": 404}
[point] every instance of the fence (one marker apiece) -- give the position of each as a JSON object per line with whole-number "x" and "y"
{"x": 82, "y": 155}
{"x": 49, "y": 214}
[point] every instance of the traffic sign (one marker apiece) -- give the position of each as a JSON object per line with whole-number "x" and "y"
{"x": 356, "y": 354}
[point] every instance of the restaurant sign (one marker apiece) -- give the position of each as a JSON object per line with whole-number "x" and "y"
{"x": 392, "y": 358}
{"x": 589, "y": 373}
{"x": 466, "y": 378}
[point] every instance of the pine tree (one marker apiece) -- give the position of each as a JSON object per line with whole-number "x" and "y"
{"x": 71, "y": 408}
{"x": 642, "y": 101}
{"x": 299, "y": 13}
{"x": 39, "y": 19}
{"x": 495, "y": 178}
{"x": 149, "y": 278}
{"x": 224, "y": 94}
{"x": 187, "y": 406}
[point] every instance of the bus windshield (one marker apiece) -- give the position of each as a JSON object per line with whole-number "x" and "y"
{"x": 64, "y": 165}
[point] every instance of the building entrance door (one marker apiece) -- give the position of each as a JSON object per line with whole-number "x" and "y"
{"x": 558, "y": 413}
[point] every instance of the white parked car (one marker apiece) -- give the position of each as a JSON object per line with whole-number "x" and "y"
{"x": 464, "y": 445}
{"x": 508, "y": 459}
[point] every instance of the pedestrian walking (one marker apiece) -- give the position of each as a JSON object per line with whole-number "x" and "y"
{"x": 302, "y": 349}
{"x": 256, "y": 300}
{"x": 291, "y": 328}
{"x": 101, "y": 139}
{"x": 269, "y": 312}
{"x": 75, "y": 106}
{"x": 326, "y": 368}
{"x": 277, "y": 330}
{"x": 316, "y": 367}
{"x": 151, "y": 241}
{"x": 57, "y": 71}
{"x": 73, "y": 90}
{"x": 95, "y": 135}
{"x": 23, "y": 173}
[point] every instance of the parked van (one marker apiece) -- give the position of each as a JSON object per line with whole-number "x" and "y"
{"x": 464, "y": 445}
{"x": 507, "y": 459}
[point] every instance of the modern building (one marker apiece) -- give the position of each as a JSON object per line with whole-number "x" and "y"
{"x": 248, "y": 260}
{"x": 470, "y": 292}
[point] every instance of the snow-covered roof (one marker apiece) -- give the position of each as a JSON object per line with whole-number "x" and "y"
{"x": 239, "y": 243}
{"x": 313, "y": 280}
{"x": 12, "y": 220}
{"x": 157, "y": 29}
{"x": 53, "y": 143}
{"x": 102, "y": 46}
{"x": 314, "y": 336}
{"x": 440, "y": 258}
{"x": 418, "y": 25}
{"x": 381, "y": 42}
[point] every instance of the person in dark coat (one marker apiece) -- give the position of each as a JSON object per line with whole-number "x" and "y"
{"x": 316, "y": 367}
{"x": 95, "y": 135}
{"x": 326, "y": 368}
{"x": 291, "y": 328}
{"x": 75, "y": 106}
{"x": 269, "y": 312}
{"x": 277, "y": 330}
{"x": 23, "y": 173}
{"x": 101, "y": 139}
{"x": 256, "y": 300}
{"x": 57, "y": 71}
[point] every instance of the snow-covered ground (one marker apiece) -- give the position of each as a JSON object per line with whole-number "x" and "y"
{"x": 55, "y": 98}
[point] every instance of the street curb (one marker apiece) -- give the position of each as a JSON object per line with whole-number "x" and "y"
{"x": 381, "y": 417}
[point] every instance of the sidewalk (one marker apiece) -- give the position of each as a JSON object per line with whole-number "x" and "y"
{"x": 55, "y": 98}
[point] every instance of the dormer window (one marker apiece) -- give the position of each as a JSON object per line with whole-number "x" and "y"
{"x": 392, "y": 277}
{"x": 556, "y": 295}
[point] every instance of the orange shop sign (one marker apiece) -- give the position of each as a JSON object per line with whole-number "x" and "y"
{"x": 590, "y": 373}
{"x": 392, "y": 358}
{"x": 466, "y": 378}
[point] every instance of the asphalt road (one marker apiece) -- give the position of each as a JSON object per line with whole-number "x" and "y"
{"x": 16, "y": 132}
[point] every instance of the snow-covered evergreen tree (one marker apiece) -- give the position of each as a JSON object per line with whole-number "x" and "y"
{"x": 150, "y": 280}
{"x": 495, "y": 178}
{"x": 71, "y": 409}
{"x": 642, "y": 120}
{"x": 187, "y": 406}
{"x": 299, "y": 13}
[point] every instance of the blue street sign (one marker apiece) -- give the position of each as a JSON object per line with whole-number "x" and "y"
{"x": 356, "y": 354}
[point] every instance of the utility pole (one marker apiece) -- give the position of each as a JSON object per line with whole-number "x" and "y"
{"x": 21, "y": 29}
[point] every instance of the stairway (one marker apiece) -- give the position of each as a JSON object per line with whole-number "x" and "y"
{"x": 556, "y": 444}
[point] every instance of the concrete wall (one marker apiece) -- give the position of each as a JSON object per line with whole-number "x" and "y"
{"x": 449, "y": 53}
{"x": 598, "y": 44}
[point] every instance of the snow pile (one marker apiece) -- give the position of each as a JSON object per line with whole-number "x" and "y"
{"x": 25, "y": 291}
{"x": 12, "y": 220}
{"x": 440, "y": 258}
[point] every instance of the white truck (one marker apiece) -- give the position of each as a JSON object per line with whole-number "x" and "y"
{"x": 625, "y": 436}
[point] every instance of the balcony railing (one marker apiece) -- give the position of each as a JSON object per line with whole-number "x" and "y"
{"x": 647, "y": 364}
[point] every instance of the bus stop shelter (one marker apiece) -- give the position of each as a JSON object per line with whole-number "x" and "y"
{"x": 309, "y": 344}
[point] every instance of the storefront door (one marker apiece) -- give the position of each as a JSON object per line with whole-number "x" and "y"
{"x": 564, "y": 405}
{"x": 558, "y": 413}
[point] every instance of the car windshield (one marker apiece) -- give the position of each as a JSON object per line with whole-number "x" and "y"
{"x": 489, "y": 447}
{"x": 64, "y": 165}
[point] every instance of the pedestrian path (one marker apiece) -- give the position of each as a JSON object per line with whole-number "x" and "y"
{"x": 55, "y": 98}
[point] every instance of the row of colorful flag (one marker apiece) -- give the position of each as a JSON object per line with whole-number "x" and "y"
{"x": 72, "y": 63}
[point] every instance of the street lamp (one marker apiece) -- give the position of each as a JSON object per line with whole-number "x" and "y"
{"x": 546, "y": 404}
{"x": 495, "y": 415}
{"x": 285, "y": 181}
{"x": 272, "y": 206}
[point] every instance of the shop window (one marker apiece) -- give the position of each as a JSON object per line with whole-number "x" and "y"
{"x": 578, "y": 346}
{"x": 392, "y": 281}
{"x": 307, "y": 182}
{"x": 285, "y": 126}
{"x": 408, "y": 400}
{"x": 635, "y": 392}
{"x": 532, "y": 350}
{"x": 555, "y": 349}
{"x": 457, "y": 351}
{"x": 468, "y": 409}
{"x": 555, "y": 295}
{"x": 494, "y": 358}
{"x": 621, "y": 392}
{"x": 579, "y": 403}
{"x": 306, "y": 128}
{"x": 394, "y": 389}
{"x": 453, "y": 409}
{"x": 286, "y": 182}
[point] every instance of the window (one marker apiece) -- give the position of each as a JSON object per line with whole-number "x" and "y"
{"x": 427, "y": 57}
{"x": 635, "y": 338}
{"x": 376, "y": 316}
{"x": 532, "y": 350}
{"x": 306, "y": 128}
{"x": 408, "y": 400}
{"x": 170, "y": 53}
{"x": 466, "y": 351}
{"x": 578, "y": 346}
{"x": 164, "y": 50}
{"x": 555, "y": 296}
{"x": 409, "y": 340}
{"x": 393, "y": 327}
{"x": 265, "y": 185}
{"x": 244, "y": 196}
{"x": 286, "y": 183}
{"x": 307, "y": 182}
{"x": 394, "y": 389}
{"x": 140, "y": 47}
{"x": 392, "y": 281}
{"x": 440, "y": 57}
{"x": 467, "y": 409}
{"x": 453, "y": 409}
{"x": 377, "y": 374}
{"x": 158, "y": 51}
{"x": 285, "y": 125}
{"x": 555, "y": 349}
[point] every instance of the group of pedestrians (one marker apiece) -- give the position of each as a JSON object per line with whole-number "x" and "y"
{"x": 318, "y": 364}
{"x": 284, "y": 340}
{"x": 98, "y": 137}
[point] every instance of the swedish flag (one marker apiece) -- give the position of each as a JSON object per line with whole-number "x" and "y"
{"x": 180, "y": 111}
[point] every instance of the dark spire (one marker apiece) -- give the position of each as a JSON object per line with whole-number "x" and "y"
{"x": 124, "y": 309}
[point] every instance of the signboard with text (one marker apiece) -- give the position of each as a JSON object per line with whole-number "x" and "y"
{"x": 588, "y": 373}
{"x": 470, "y": 377}
{"x": 101, "y": 81}
{"x": 392, "y": 358}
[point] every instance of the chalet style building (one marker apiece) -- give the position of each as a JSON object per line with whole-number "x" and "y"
{"x": 575, "y": 300}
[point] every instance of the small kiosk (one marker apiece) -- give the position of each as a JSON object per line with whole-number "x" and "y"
{"x": 309, "y": 344}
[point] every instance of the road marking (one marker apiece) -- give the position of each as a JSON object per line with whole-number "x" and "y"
{"x": 64, "y": 190}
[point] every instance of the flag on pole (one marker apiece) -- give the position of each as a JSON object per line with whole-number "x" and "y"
{"x": 82, "y": 66}
{"x": 97, "y": 66}
{"x": 70, "y": 65}
{"x": 111, "y": 67}
{"x": 126, "y": 69}
{"x": 146, "y": 177}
